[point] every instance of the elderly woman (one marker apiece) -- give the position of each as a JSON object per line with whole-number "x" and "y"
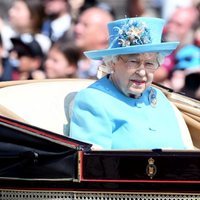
{"x": 122, "y": 110}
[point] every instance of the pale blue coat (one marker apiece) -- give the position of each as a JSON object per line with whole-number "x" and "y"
{"x": 102, "y": 115}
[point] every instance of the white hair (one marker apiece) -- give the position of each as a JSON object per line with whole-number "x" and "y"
{"x": 160, "y": 58}
{"x": 106, "y": 68}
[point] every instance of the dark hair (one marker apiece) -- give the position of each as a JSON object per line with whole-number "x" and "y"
{"x": 1, "y": 42}
{"x": 192, "y": 84}
{"x": 36, "y": 9}
{"x": 69, "y": 50}
{"x": 102, "y": 5}
{"x": 88, "y": 4}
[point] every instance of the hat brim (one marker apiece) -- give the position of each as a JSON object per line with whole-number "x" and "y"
{"x": 164, "y": 48}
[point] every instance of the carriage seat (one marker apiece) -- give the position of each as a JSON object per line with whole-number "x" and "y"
{"x": 40, "y": 103}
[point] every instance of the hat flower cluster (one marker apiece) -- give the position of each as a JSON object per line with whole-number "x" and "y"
{"x": 133, "y": 33}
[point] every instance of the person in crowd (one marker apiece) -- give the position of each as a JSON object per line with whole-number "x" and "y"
{"x": 6, "y": 33}
{"x": 192, "y": 85}
{"x": 187, "y": 62}
{"x": 197, "y": 28}
{"x": 26, "y": 16}
{"x": 1, "y": 56}
{"x": 5, "y": 68}
{"x": 1, "y": 60}
{"x": 189, "y": 59}
{"x": 58, "y": 21}
{"x": 135, "y": 8}
{"x": 123, "y": 110}
{"x": 91, "y": 33}
{"x": 179, "y": 27}
{"x": 77, "y": 6}
{"x": 62, "y": 60}
{"x": 27, "y": 56}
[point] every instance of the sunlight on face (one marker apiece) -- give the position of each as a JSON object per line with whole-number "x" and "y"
{"x": 19, "y": 16}
{"x": 56, "y": 65}
{"x": 134, "y": 73}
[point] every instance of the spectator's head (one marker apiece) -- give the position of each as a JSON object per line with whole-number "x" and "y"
{"x": 56, "y": 8}
{"x": 180, "y": 25}
{"x": 28, "y": 51}
{"x": 26, "y": 16}
{"x": 197, "y": 28}
{"x": 91, "y": 30}
{"x": 62, "y": 60}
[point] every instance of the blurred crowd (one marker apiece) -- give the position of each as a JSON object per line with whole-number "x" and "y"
{"x": 41, "y": 39}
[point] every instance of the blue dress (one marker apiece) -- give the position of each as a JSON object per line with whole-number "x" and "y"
{"x": 104, "y": 116}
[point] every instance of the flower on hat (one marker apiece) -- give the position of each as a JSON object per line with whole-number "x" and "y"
{"x": 133, "y": 33}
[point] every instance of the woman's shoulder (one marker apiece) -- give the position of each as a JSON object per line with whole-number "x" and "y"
{"x": 95, "y": 88}
{"x": 97, "y": 92}
{"x": 159, "y": 92}
{"x": 87, "y": 94}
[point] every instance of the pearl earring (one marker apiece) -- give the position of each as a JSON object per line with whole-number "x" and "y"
{"x": 112, "y": 71}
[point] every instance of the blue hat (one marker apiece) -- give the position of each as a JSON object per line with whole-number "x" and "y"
{"x": 133, "y": 36}
{"x": 188, "y": 58}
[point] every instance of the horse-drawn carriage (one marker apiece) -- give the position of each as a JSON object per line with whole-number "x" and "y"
{"x": 39, "y": 161}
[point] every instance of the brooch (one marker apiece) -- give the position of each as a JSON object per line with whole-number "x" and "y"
{"x": 152, "y": 97}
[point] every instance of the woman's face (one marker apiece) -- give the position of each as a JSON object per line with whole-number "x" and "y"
{"x": 57, "y": 65}
{"x": 19, "y": 16}
{"x": 24, "y": 63}
{"x": 132, "y": 74}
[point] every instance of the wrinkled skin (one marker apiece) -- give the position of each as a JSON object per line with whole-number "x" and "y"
{"x": 131, "y": 81}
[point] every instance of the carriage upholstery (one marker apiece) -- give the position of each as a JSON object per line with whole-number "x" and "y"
{"x": 48, "y": 103}
{"x": 40, "y": 103}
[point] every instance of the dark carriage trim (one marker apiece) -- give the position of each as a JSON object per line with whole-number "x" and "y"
{"x": 45, "y": 134}
{"x": 132, "y": 166}
{"x": 142, "y": 181}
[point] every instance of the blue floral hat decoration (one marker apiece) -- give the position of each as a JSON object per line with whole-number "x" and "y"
{"x": 133, "y": 36}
